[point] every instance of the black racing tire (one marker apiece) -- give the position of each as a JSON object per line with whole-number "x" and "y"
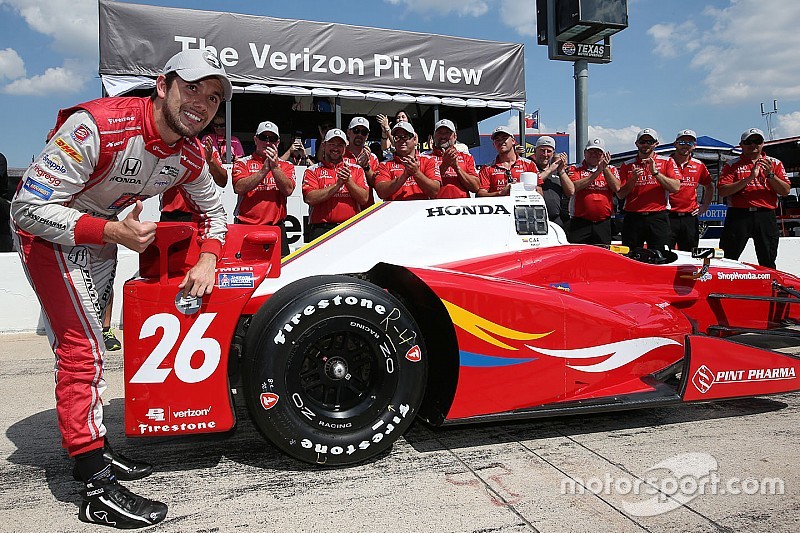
{"x": 334, "y": 370}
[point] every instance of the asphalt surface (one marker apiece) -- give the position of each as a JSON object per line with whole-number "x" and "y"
{"x": 503, "y": 477}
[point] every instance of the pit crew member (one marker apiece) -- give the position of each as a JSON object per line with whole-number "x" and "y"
{"x": 508, "y": 166}
{"x": 334, "y": 189}
{"x": 592, "y": 187}
{"x": 263, "y": 181}
{"x": 407, "y": 175}
{"x": 683, "y": 208}
{"x": 457, "y": 169}
{"x": 647, "y": 180}
{"x": 752, "y": 185}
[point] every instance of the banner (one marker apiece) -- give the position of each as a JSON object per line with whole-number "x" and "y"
{"x": 138, "y": 40}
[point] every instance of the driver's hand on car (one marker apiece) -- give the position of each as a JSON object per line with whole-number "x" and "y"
{"x": 201, "y": 277}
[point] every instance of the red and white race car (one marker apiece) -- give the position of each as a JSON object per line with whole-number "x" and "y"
{"x": 453, "y": 311}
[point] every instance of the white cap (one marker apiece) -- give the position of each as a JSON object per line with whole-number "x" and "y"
{"x": 752, "y": 131}
{"x": 335, "y": 132}
{"x": 267, "y": 126}
{"x": 445, "y": 123}
{"x": 358, "y": 121}
{"x": 406, "y": 126}
{"x": 502, "y": 129}
{"x": 686, "y": 133}
{"x": 596, "y": 144}
{"x": 195, "y": 64}
{"x": 647, "y": 131}
{"x": 546, "y": 140}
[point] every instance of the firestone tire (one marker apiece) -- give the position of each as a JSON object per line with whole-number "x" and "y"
{"x": 334, "y": 371}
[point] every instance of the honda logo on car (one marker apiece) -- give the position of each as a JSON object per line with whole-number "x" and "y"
{"x": 467, "y": 210}
{"x": 704, "y": 378}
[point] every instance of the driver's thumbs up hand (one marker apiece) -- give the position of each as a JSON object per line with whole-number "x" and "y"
{"x": 131, "y": 232}
{"x": 137, "y": 210}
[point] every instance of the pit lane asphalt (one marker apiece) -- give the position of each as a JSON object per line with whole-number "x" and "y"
{"x": 502, "y": 477}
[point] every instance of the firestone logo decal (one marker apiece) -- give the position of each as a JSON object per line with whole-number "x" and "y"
{"x": 269, "y": 400}
{"x": 414, "y": 354}
{"x": 704, "y": 378}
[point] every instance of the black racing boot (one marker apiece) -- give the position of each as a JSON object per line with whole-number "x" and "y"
{"x": 107, "y": 503}
{"x": 125, "y": 469}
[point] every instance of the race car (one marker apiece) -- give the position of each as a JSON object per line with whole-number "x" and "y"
{"x": 450, "y": 311}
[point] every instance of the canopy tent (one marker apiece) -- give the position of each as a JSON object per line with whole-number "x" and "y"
{"x": 306, "y": 68}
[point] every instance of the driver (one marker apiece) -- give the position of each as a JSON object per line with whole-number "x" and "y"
{"x": 65, "y": 217}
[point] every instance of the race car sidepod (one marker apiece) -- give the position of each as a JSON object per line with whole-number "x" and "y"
{"x": 176, "y": 348}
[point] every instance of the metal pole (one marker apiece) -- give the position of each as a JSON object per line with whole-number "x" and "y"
{"x": 581, "y": 105}
{"x": 228, "y": 151}
{"x": 522, "y": 128}
{"x": 338, "y": 106}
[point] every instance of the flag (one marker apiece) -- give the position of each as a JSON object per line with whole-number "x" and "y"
{"x": 532, "y": 120}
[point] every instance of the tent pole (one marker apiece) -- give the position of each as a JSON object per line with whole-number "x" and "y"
{"x": 228, "y": 151}
{"x": 522, "y": 128}
{"x": 338, "y": 107}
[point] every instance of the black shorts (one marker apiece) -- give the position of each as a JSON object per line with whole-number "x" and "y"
{"x": 584, "y": 231}
{"x": 685, "y": 231}
{"x": 319, "y": 229}
{"x": 759, "y": 223}
{"x": 651, "y": 227}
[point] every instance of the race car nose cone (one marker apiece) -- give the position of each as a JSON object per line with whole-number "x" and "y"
{"x": 336, "y": 368}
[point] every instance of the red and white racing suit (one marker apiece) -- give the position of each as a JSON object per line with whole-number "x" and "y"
{"x": 102, "y": 157}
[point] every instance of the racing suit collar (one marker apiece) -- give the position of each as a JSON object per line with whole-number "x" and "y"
{"x": 152, "y": 140}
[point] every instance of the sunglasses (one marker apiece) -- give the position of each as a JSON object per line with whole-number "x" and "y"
{"x": 750, "y": 142}
{"x": 651, "y": 141}
{"x": 268, "y": 138}
{"x": 403, "y": 138}
{"x": 360, "y": 131}
{"x": 685, "y": 143}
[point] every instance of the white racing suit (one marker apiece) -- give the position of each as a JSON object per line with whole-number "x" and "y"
{"x": 102, "y": 156}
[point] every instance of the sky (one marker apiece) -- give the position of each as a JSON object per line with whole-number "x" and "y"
{"x": 704, "y": 65}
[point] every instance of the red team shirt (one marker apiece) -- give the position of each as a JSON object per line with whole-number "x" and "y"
{"x": 264, "y": 204}
{"x": 647, "y": 195}
{"x": 595, "y": 202}
{"x": 451, "y": 185}
{"x": 410, "y": 190}
{"x": 757, "y": 193}
{"x": 341, "y": 205}
{"x": 693, "y": 173}
{"x": 494, "y": 177}
{"x": 172, "y": 199}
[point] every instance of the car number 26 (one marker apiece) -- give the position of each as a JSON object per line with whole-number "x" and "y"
{"x": 192, "y": 343}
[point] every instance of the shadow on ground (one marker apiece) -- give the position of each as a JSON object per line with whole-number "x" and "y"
{"x": 38, "y": 444}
